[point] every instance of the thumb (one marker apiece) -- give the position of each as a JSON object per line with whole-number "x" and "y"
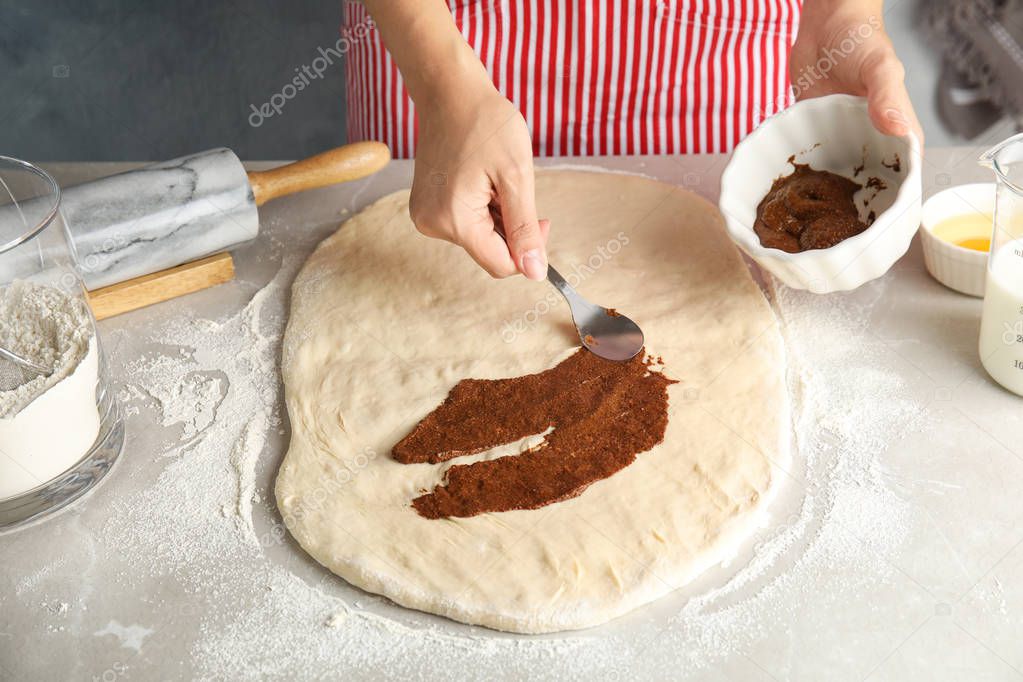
{"x": 526, "y": 242}
{"x": 887, "y": 99}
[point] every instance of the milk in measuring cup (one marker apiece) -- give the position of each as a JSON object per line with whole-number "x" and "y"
{"x": 1001, "y": 328}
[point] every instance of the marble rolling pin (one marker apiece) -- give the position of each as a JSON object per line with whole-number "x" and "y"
{"x": 163, "y": 215}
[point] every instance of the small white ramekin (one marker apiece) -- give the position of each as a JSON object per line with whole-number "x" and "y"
{"x": 832, "y": 133}
{"x": 958, "y": 268}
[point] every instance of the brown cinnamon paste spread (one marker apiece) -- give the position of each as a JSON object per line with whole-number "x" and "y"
{"x": 808, "y": 209}
{"x": 603, "y": 414}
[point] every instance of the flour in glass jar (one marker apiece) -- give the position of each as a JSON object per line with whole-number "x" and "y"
{"x": 49, "y": 422}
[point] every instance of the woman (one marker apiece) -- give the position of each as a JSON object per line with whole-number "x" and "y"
{"x": 589, "y": 77}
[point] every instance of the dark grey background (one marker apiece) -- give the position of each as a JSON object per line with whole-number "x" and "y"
{"x": 149, "y": 80}
{"x": 133, "y": 80}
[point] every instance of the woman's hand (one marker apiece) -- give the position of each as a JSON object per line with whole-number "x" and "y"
{"x": 474, "y": 150}
{"x": 842, "y": 47}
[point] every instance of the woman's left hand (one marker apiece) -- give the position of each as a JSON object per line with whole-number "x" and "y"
{"x": 842, "y": 47}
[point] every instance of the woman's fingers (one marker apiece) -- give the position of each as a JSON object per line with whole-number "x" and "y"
{"x": 491, "y": 253}
{"x": 526, "y": 241}
{"x": 888, "y": 101}
{"x": 545, "y": 229}
{"x": 476, "y": 153}
{"x": 473, "y": 231}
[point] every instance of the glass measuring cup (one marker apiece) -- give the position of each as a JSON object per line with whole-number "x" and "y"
{"x": 1001, "y": 330}
{"x": 60, "y": 431}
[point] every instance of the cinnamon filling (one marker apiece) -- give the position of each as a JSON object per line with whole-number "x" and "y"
{"x": 810, "y": 209}
{"x": 603, "y": 414}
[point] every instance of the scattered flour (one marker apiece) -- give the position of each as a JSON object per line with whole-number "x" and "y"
{"x": 129, "y": 636}
{"x": 56, "y": 608}
{"x": 207, "y": 522}
{"x": 336, "y": 620}
{"x": 243, "y": 457}
{"x": 192, "y": 404}
{"x": 31, "y": 581}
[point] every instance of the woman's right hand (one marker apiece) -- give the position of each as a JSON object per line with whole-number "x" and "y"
{"x": 475, "y": 150}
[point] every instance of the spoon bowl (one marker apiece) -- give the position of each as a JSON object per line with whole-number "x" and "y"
{"x": 603, "y": 331}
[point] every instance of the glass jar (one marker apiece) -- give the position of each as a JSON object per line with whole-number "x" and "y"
{"x": 1001, "y": 327}
{"x": 60, "y": 430}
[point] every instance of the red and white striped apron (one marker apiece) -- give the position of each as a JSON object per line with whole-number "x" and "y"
{"x": 596, "y": 77}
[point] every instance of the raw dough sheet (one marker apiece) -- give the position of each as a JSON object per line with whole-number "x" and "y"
{"x": 384, "y": 322}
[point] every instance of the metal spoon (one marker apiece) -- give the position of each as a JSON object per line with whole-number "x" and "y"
{"x": 604, "y": 332}
{"x": 14, "y": 368}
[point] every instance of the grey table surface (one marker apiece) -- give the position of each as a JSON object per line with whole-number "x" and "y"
{"x": 74, "y": 607}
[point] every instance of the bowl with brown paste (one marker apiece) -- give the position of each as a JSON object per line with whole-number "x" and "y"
{"x": 820, "y": 198}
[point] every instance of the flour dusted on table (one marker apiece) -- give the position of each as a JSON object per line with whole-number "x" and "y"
{"x": 55, "y": 330}
{"x": 260, "y": 610}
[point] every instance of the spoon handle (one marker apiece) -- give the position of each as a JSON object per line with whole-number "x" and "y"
{"x": 553, "y": 276}
{"x": 562, "y": 285}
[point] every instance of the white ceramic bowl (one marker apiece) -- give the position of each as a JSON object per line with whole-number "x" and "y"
{"x": 959, "y": 268}
{"x": 832, "y": 133}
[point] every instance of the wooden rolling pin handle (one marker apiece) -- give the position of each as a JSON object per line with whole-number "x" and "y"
{"x": 350, "y": 162}
{"x": 161, "y": 286}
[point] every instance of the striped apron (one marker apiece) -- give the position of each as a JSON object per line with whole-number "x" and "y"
{"x": 595, "y": 77}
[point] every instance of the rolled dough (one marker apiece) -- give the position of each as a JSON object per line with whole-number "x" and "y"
{"x": 384, "y": 322}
